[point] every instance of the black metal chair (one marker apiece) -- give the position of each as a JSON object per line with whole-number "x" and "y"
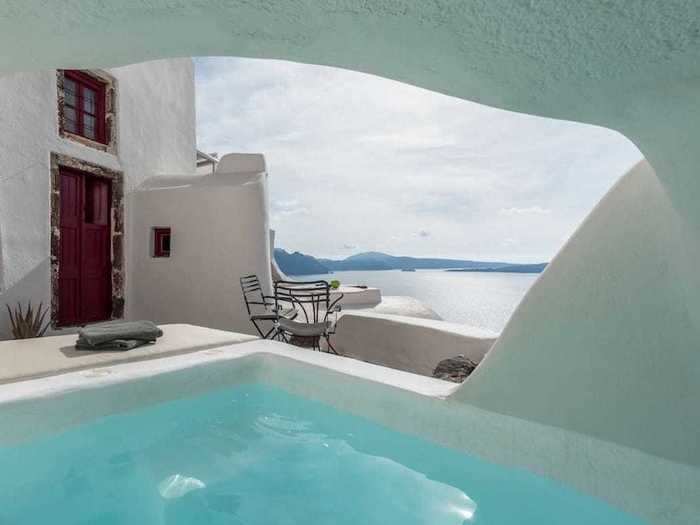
{"x": 313, "y": 299}
{"x": 262, "y": 308}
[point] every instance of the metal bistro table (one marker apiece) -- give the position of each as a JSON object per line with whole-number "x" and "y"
{"x": 312, "y": 300}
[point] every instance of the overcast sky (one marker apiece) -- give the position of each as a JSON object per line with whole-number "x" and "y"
{"x": 359, "y": 163}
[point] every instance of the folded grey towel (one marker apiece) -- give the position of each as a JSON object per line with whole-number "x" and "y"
{"x": 97, "y": 334}
{"x": 118, "y": 345}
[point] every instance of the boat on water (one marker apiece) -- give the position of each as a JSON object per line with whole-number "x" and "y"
{"x": 408, "y": 269}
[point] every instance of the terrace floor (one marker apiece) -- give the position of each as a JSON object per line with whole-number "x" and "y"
{"x": 45, "y": 356}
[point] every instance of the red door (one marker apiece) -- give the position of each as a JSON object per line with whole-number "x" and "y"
{"x": 84, "y": 269}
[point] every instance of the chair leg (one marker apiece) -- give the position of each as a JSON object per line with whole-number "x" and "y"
{"x": 331, "y": 348}
{"x": 255, "y": 324}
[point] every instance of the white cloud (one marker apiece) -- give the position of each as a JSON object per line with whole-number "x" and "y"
{"x": 285, "y": 208}
{"x": 531, "y": 210}
{"x": 358, "y": 160}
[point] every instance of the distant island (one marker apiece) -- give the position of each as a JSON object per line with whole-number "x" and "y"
{"x": 508, "y": 268}
{"x": 297, "y": 263}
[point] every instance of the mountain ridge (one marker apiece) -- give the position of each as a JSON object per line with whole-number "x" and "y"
{"x": 297, "y": 263}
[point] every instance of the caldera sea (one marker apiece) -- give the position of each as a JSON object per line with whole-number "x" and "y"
{"x": 480, "y": 299}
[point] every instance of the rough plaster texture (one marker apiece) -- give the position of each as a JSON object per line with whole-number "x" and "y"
{"x": 156, "y": 133}
{"x": 219, "y": 228}
{"x": 629, "y": 66}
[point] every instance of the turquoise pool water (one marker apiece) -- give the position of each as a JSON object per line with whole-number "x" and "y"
{"x": 256, "y": 455}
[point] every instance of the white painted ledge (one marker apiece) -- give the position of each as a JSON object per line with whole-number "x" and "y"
{"x": 354, "y": 296}
{"x": 408, "y": 343}
{"x": 43, "y": 356}
{"x": 112, "y": 371}
{"x": 241, "y": 163}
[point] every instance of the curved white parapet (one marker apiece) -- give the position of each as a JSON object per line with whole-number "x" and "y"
{"x": 241, "y": 163}
{"x": 605, "y": 342}
{"x": 354, "y": 296}
{"x": 408, "y": 343}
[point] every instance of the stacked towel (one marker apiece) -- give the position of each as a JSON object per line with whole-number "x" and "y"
{"x": 117, "y": 336}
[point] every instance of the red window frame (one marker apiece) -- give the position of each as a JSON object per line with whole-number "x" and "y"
{"x": 83, "y": 83}
{"x": 159, "y": 245}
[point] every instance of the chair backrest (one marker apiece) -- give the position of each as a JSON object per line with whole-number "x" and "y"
{"x": 252, "y": 292}
{"x": 313, "y": 298}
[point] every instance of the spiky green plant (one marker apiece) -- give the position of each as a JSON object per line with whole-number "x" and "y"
{"x": 29, "y": 323}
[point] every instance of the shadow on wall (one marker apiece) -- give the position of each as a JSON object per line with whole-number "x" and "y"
{"x": 34, "y": 286}
{"x": 2, "y": 266}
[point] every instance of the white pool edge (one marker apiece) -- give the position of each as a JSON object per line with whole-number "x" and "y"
{"x": 110, "y": 374}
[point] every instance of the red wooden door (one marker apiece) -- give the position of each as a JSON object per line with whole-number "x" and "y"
{"x": 69, "y": 249}
{"x": 84, "y": 270}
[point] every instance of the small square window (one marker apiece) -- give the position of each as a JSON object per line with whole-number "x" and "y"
{"x": 161, "y": 242}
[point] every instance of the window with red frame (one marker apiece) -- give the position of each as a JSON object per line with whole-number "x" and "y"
{"x": 84, "y": 106}
{"x": 161, "y": 242}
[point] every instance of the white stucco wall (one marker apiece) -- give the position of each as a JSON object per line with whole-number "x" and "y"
{"x": 560, "y": 360}
{"x": 408, "y": 343}
{"x": 276, "y": 271}
{"x": 156, "y": 134}
{"x": 220, "y": 232}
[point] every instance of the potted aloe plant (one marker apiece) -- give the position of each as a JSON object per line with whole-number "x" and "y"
{"x": 27, "y": 323}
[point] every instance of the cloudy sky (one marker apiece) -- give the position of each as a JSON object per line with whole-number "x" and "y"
{"x": 359, "y": 163}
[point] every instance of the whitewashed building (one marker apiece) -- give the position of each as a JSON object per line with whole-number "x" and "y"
{"x": 102, "y": 212}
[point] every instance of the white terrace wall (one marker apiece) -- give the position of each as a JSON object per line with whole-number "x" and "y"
{"x": 562, "y": 362}
{"x": 408, "y": 343}
{"x": 220, "y": 232}
{"x": 156, "y": 134}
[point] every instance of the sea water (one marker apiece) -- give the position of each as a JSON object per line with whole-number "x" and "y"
{"x": 479, "y": 299}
